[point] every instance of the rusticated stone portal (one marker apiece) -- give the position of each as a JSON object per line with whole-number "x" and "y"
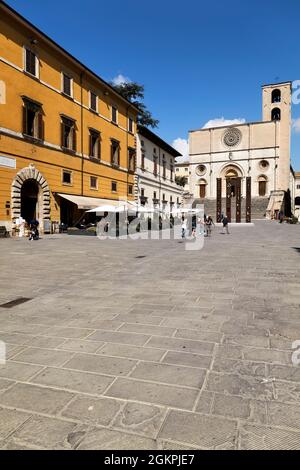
{"x": 43, "y": 198}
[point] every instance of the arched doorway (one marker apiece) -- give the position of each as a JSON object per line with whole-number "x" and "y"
{"x": 30, "y": 196}
{"x": 29, "y": 200}
{"x": 202, "y": 188}
{"x": 231, "y": 178}
{"x": 262, "y": 185}
{"x": 231, "y": 182}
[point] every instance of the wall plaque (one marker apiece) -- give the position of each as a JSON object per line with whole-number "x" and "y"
{"x": 7, "y": 162}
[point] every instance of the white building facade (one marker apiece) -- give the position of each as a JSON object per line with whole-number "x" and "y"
{"x": 182, "y": 170}
{"x": 155, "y": 185}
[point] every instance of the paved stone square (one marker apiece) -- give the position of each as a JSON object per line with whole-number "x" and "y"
{"x": 145, "y": 345}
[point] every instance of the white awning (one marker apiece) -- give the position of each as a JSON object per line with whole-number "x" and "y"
{"x": 84, "y": 202}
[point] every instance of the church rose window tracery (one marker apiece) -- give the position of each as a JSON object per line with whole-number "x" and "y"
{"x": 232, "y": 137}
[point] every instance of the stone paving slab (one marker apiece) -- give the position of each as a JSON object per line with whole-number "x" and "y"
{"x": 47, "y": 433}
{"x": 45, "y": 357}
{"x": 85, "y": 382}
{"x": 178, "y": 350}
{"x": 192, "y": 428}
{"x": 132, "y": 352}
{"x": 34, "y": 398}
{"x": 149, "y": 392}
{"x": 95, "y": 411}
{"x": 100, "y": 364}
{"x": 171, "y": 374}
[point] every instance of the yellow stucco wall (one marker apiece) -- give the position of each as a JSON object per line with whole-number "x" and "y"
{"x": 47, "y": 157}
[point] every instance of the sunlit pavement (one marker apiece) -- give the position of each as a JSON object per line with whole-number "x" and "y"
{"x": 146, "y": 345}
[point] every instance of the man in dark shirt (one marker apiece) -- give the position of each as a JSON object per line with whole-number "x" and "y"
{"x": 225, "y": 224}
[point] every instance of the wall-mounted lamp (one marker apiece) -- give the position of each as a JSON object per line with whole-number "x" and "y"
{"x": 106, "y": 93}
{"x": 33, "y": 41}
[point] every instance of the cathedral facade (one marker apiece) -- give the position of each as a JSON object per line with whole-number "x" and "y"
{"x": 244, "y": 170}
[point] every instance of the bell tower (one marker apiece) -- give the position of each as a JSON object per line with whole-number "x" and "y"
{"x": 276, "y": 106}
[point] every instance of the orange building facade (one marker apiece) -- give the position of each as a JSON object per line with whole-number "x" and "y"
{"x": 67, "y": 139}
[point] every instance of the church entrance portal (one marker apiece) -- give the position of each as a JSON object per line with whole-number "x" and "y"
{"x": 233, "y": 201}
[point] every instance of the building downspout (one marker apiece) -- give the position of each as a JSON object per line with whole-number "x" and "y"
{"x": 127, "y": 153}
{"x": 81, "y": 128}
{"x": 159, "y": 179}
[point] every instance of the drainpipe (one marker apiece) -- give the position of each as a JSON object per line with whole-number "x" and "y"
{"x": 127, "y": 152}
{"x": 81, "y": 128}
{"x": 159, "y": 179}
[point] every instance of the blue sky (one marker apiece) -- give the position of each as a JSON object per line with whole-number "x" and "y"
{"x": 198, "y": 60}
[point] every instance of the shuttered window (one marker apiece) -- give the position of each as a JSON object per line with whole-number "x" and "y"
{"x": 115, "y": 153}
{"x": 114, "y": 114}
{"x": 67, "y": 85}
{"x": 155, "y": 166}
{"x": 33, "y": 124}
{"x": 93, "y": 101}
{"x": 130, "y": 125}
{"x": 131, "y": 160}
{"x": 164, "y": 169}
{"x": 68, "y": 134}
{"x": 95, "y": 144}
{"x": 30, "y": 62}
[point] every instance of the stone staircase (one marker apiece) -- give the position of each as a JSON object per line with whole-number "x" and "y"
{"x": 258, "y": 207}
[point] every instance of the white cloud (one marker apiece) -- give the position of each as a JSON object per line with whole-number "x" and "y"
{"x": 219, "y": 122}
{"x": 296, "y": 125}
{"x": 182, "y": 145}
{"x": 119, "y": 79}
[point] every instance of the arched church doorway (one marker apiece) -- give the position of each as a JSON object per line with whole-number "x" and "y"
{"x": 232, "y": 177}
{"x": 29, "y": 200}
{"x": 262, "y": 185}
{"x": 232, "y": 181}
{"x": 202, "y": 188}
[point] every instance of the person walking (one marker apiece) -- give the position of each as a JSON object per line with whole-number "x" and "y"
{"x": 183, "y": 228}
{"x": 209, "y": 224}
{"x": 194, "y": 226}
{"x": 225, "y": 224}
